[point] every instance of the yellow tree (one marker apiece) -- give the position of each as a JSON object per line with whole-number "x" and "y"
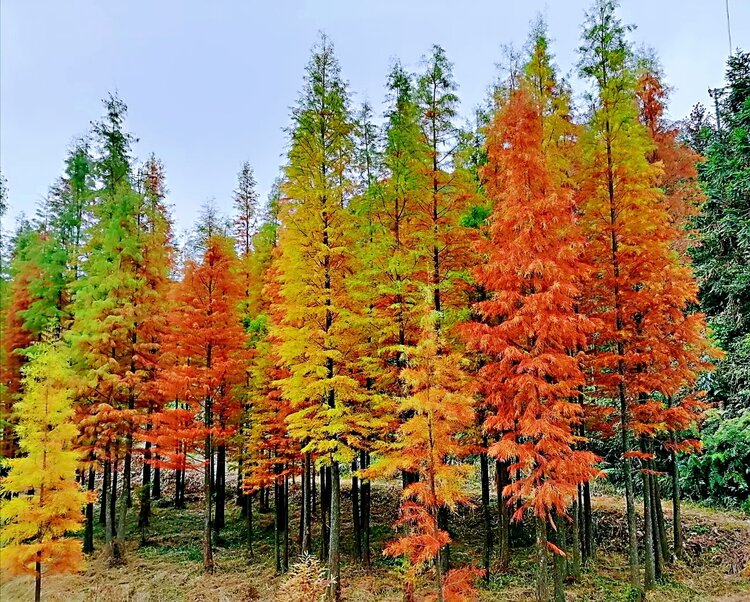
{"x": 46, "y": 501}
{"x": 427, "y": 445}
{"x": 319, "y": 342}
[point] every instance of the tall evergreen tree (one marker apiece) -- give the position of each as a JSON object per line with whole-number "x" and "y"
{"x": 722, "y": 260}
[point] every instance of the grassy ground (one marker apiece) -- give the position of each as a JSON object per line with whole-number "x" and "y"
{"x": 168, "y": 567}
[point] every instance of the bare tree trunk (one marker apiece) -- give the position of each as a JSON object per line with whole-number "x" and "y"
{"x": 144, "y": 513}
{"x": 635, "y": 578}
{"x": 334, "y": 557}
{"x": 286, "y": 523}
{"x": 648, "y": 535}
{"x": 208, "y": 555}
{"x": 542, "y": 563}
{"x": 485, "y": 478}
{"x": 277, "y": 505}
{"x": 249, "y": 519}
{"x": 502, "y": 478}
{"x": 221, "y": 488}
{"x": 107, "y": 475}
{"x": 156, "y": 489}
{"x": 356, "y": 513}
{"x": 112, "y": 502}
{"x": 575, "y": 563}
{"x": 38, "y": 577}
{"x": 88, "y": 538}
{"x": 662, "y": 528}
{"x": 365, "y": 460}
{"x": 558, "y": 567}
{"x": 679, "y": 549}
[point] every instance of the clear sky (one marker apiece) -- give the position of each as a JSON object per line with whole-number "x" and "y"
{"x": 209, "y": 83}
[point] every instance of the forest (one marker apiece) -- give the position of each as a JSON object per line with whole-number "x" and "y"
{"x": 500, "y": 361}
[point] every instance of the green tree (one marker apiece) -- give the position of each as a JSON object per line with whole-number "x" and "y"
{"x": 722, "y": 260}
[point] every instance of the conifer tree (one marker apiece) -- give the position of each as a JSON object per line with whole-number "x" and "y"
{"x": 205, "y": 349}
{"x": 530, "y": 331}
{"x": 117, "y": 303}
{"x": 319, "y": 340}
{"x": 45, "y": 500}
{"x": 721, "y": 259}
{"x": 647, "y": 346}
{"x": 428, "y": 444}
{"x": 246, "y": 210}
{"x": 446, "y": 190}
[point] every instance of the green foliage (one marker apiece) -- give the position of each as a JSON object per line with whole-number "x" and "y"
{"x": 722, "y": 260}
{"x": 721, "y": 474}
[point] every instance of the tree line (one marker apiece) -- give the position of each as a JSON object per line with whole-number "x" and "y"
{"x": 417, "y": 300}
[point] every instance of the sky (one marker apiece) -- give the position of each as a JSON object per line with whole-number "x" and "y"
{"x": 209, "y": 84}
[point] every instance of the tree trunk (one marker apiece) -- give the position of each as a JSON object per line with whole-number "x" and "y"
{"x": 558, "y": 567}
{"x": 105, "y": 492}
{"x": 542, "y": 564}
{"x": 588, "y": 522}
{"x": 127, "y": 468}
{"x": 365, "y": 461}
{"x": 221, "y": 488}
{"x": 334, "y": 559}
{"x": 655, "y": 538}
{"x": 679, "y": 549}
{"x": 313, "y": 486}
{"x": 249, "y": 519}
{"x": 88, "y": 537}
{"x": 648, "y": 535}
{"x": 356, "y": 514}
{"x": 277, "y": 522}
{"x": 112, "y": 502}
{"x": 307, "y": 501}
{"x": 445, "y": 553}
{"x": 38, "y": 577}
{"x": 635, "y": 578}
{"x": 663, "y": 540}
{"x": 208, "y": 556}
{"x": 503, "y": 528}
{"x": 302, "y": 507}
{"x": 485, "y": 478}
{"x": 325, "y": 506}
{"x": 575, "y": 562}
{"x": 120, "y": 534}
{"x": 179, "y": 488}
{"x": 145, "y": 510}
{"x": 156, "y": 488}
{"x": 286, "y": 524}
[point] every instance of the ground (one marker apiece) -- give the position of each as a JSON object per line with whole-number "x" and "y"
{"x": 168, "y": 568}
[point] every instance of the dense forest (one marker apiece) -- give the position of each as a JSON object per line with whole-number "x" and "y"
{"x": 503, "y": 321}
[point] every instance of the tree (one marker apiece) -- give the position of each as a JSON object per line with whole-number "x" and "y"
{"x": 46, "y": 500}
{"x": 118, "y": 303}
{"x": 205, "y": 349}
{"x": 446, "y": 193}
{"x": 530, "y": 332}
{"x": 428, "y": 444}
{"x": 318, "y": 337}
{"x": 246, "y": 210}
{"x": 721, "y": 260}
{"x": 647, "y": 346}
{"x": 679, "y": 178}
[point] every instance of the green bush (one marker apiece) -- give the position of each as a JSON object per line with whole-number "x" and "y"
{"x": 721, "y": 474}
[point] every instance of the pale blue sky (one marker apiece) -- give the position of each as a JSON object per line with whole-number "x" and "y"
{"x": 209, "y": 83}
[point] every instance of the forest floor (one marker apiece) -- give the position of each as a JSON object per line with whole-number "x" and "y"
{"x": 168, "y": 568}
